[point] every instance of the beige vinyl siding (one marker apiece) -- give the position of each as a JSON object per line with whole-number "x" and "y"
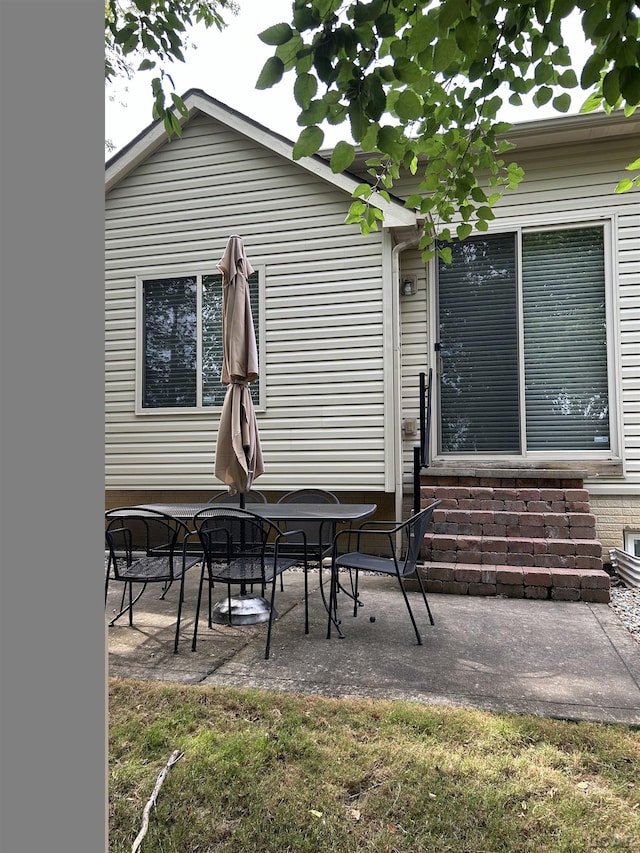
{"x": 322, "y": 419}
{"x": 414, "y": 355}
{"x": 562, "y": 185}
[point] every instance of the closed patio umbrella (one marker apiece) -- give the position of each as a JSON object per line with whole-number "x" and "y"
{"x": 238, "y": 453}
{"x": 238, "y": 458}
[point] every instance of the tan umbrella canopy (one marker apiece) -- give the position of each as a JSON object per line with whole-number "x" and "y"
{"x": 238, "y": 453}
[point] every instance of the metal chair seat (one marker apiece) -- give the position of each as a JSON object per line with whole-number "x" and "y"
{"x": 367, "y": 563}
{"x": 155, "y": 568}
{"x": 242, "y": 548}
{"x": 248, "y": 569}
{"x": 147, "y": 546}
{"x": 401, "y": 564}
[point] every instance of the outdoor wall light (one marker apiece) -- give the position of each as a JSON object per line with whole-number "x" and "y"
{"x": 409, "y": 285}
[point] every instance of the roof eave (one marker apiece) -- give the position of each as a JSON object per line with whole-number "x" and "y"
{"x": 395, "y": 214}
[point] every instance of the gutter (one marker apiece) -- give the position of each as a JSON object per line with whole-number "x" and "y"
{"x": 397, "y": 366}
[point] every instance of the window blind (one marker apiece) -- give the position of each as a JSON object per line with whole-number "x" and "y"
{"x": 478, "y": 328}
{"x": 565, "y": 345}
{"x": 213, "y": 391}
{"x": 170, "y": 353}
{"x": 170, "y": 341}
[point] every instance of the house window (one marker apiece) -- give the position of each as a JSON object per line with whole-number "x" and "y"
{"x": 181, "y": 341}
{"x": 523, "y": 343}
{"x": 632, "y": 542}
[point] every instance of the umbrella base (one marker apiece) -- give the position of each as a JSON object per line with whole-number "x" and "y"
{"x": 245, "y": 610}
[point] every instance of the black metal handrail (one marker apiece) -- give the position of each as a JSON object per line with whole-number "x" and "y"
{"x": 421, "y": 452}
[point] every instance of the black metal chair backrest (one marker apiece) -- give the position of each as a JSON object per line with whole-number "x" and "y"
{"x": 319, "y": 534}
{"x": 227, "y": 533}
{"x": 414, "y": 529}
{"x": 133, "y": 532}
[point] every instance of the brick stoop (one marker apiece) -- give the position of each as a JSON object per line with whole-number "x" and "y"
{"x": 522, "y": 537}
{"x": 557, "y": 584}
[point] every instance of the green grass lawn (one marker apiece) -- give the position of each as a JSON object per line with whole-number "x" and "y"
{"x": 279, "y": 773}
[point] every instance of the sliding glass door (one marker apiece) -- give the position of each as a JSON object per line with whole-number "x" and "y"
{"x": 523, "y": 346}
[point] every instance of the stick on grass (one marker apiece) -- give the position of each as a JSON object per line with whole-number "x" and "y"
{"x": 175, "y": 756}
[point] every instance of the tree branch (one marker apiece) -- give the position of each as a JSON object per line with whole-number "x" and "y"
{"x": 175, "y": 756}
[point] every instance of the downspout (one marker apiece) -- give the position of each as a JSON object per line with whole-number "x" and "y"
{"x": 397, "y": 367}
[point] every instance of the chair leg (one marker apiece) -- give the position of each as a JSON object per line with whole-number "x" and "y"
{"x": 424, "y": 596}
{"x": 406, "y": 601}
{"x": 271, "y": 611}
{"x": 129, "y": 607}
{"x": 195, "y": 627}
{"x": 180, "y": 600}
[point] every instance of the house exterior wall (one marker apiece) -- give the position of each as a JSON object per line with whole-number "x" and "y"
{"x": 563, "y": 184}
{"x": 323, "y": 421}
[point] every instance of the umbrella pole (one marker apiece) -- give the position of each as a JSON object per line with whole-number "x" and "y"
{"x": 246, "y": 608}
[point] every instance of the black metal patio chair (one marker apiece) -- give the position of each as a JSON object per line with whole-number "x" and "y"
{"x": 401, "y": 564}
{"x": 145, "y": 547}
{"x": 242, "y": 549}
{"x": 318, "y": 535}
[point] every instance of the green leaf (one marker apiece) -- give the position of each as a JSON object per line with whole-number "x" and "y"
{"x": 485, "y": 212}
{"x": 421, "y": 33}
{"x": 542, "y": 96}
{"x": 386, "y": 25}
{"x": 561, "y": 8}
{"x": 304, "y": 89}
{"x": 389, "y": 143}
{"x": 357, "y": 120}
{"x": 308, "y": 142}
{"x": 611, "y": 86}
{"x": 463, "y": 230}
{"x": 370, "y": 137}
{"x": 356, "y": 211}
{"x": 467, "y": 35}
{"x": 444, "y": 54}
{"x": 592, "y": 103}
{"x": 539, "y": 45}
{"x": 362, "y": 191}
{"x": 591, "y": 71}
{"x": 632, "y": 167}
{"x": 543, "y": 73}
{"x": 451, "y": 11}
{"x": 413, "y": 201}
{"x": 146, "y": 64}
{"x": 271, "y": 73}
{"x": 630, "y": 84}
{"x": 374, "y": 96}
{"x": 180, "y": 105}
{"x": 277, "y": 34}
{"x": 568, "y": 79}
{"x": 408, "y": 106}
{"x": 625, "y": 185}
{"x": 342, "y": 156}
{"x": 407, "y": 71}
{"x": 315, "y": 114}
{"x": 562, "y": 103}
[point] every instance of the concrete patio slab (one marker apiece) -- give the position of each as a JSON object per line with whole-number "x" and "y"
{"x": 571, "y": 660}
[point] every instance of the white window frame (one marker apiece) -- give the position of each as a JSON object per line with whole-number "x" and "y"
{"x": 198, "y": 274}
{"x": 631, "y": 537}
{"x": 549, "y": 222}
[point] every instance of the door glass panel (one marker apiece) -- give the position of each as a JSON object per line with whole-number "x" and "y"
{"x": 565, "y": 342}
{"x": 479, "y": 347}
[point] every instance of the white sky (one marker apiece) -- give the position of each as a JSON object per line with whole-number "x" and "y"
{"x": 226, "y": 66}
